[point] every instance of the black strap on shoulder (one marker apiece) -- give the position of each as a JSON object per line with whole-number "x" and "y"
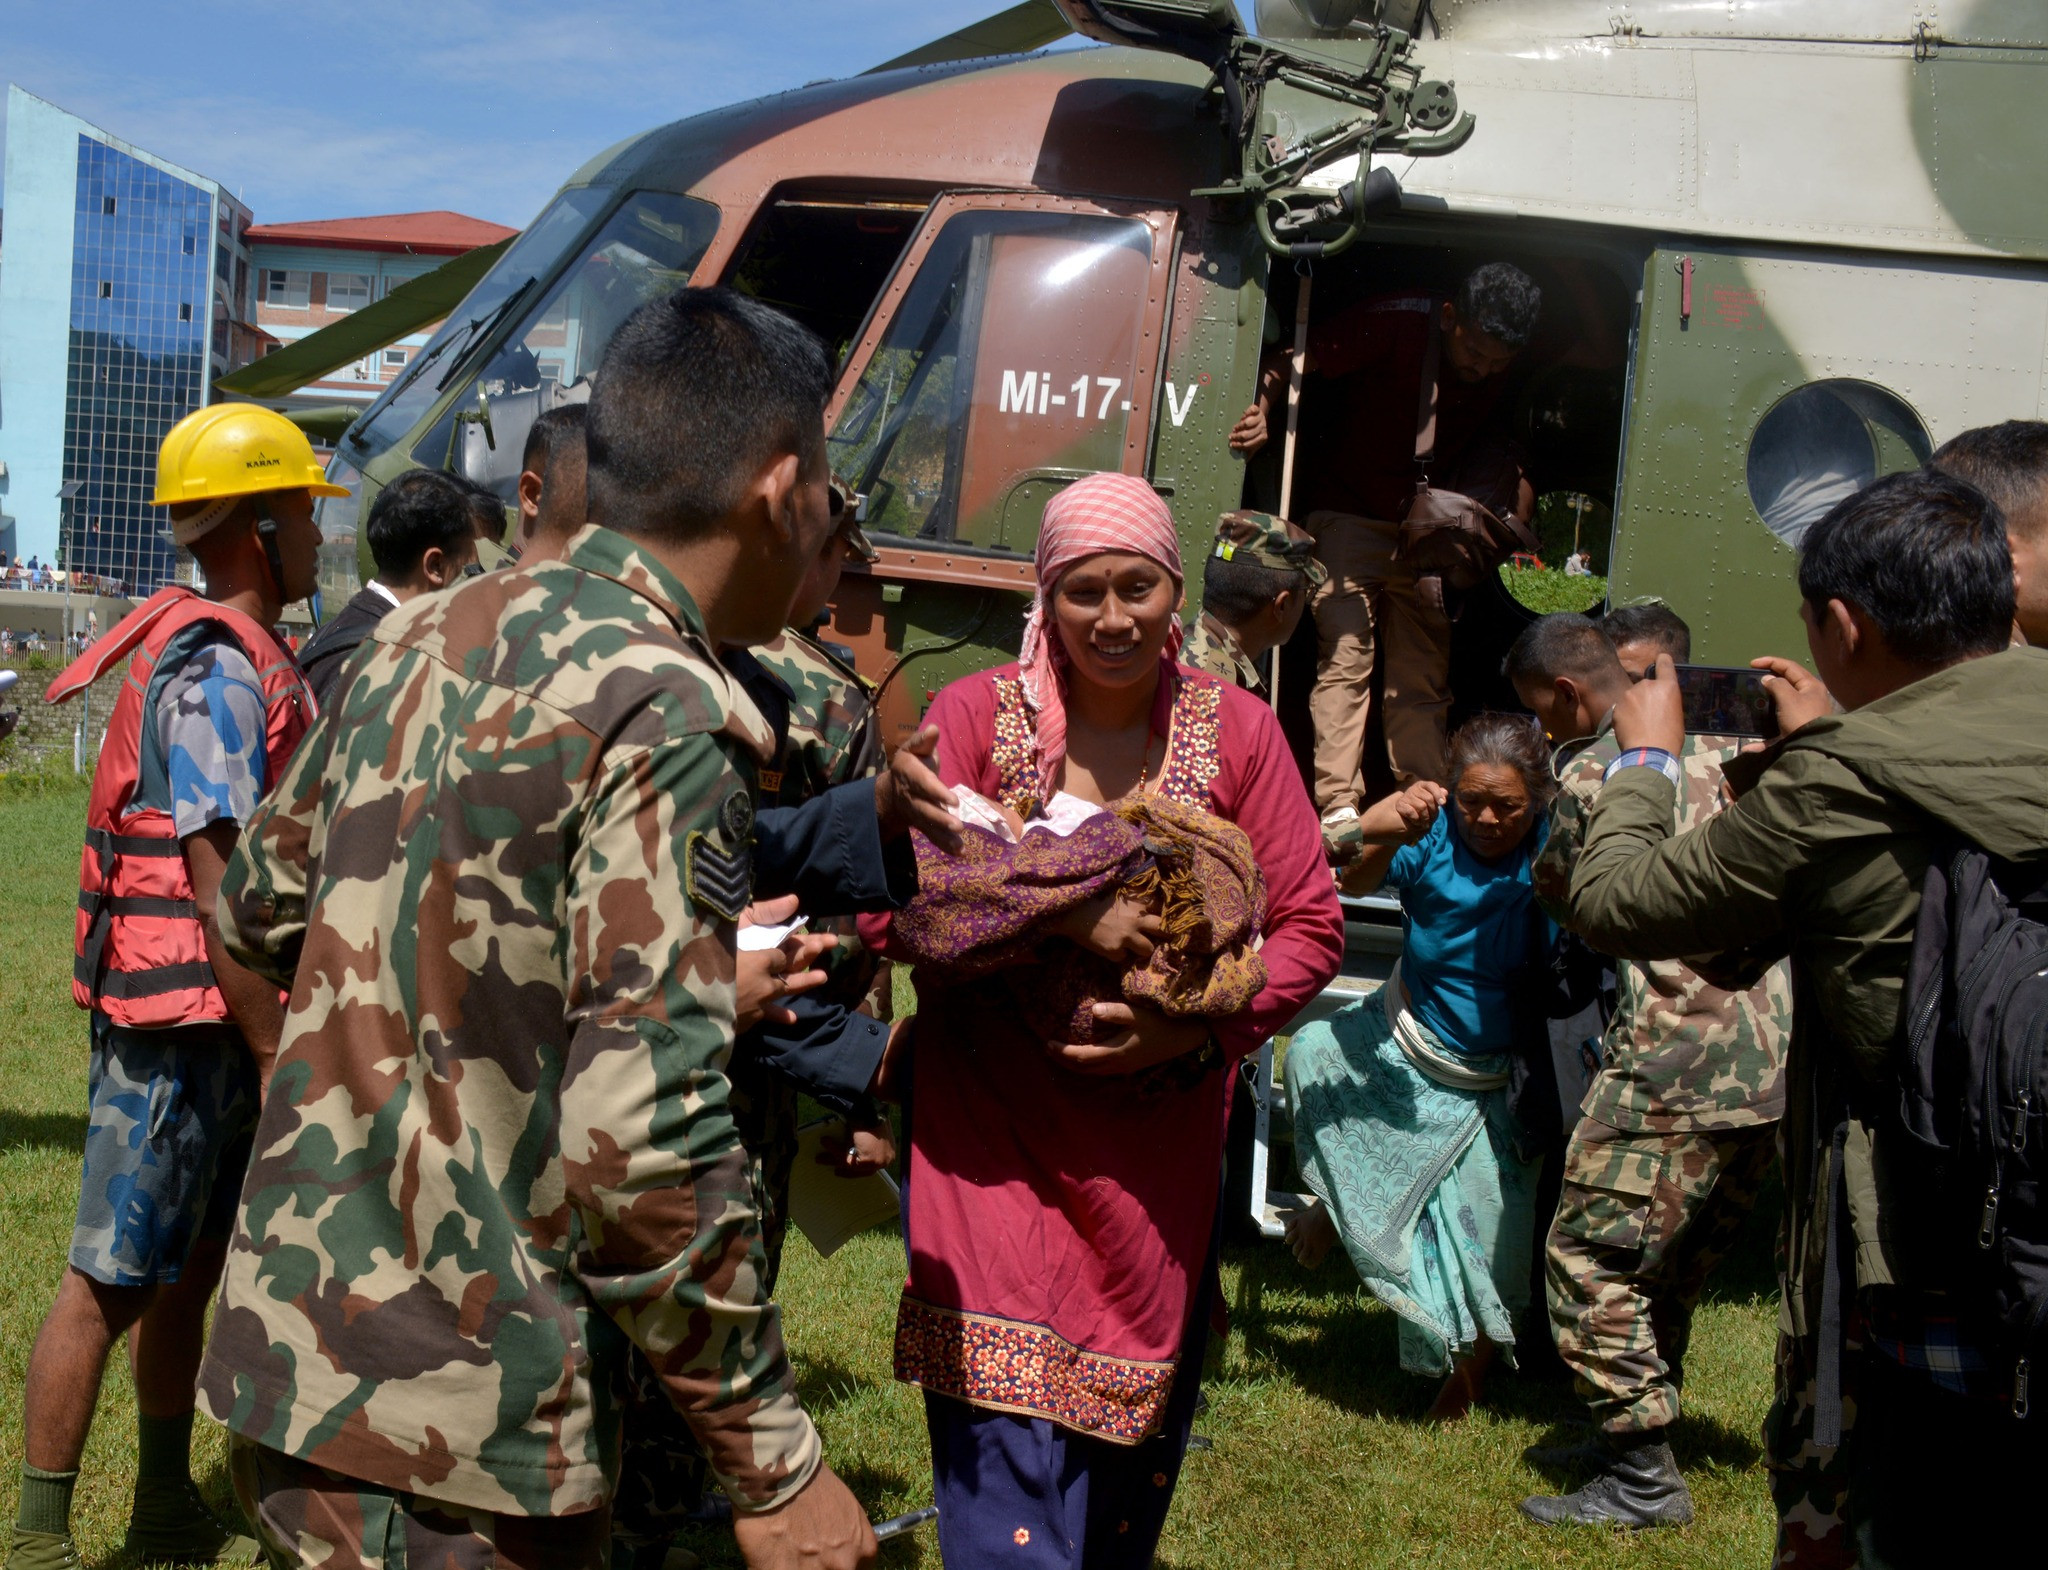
{"x": 1838, "y": 1266}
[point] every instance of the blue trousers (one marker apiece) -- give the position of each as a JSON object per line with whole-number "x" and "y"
{"x": 1024, "y": 1493}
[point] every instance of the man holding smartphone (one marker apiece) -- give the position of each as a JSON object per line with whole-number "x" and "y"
{"x": 1906, "y": 589}
{"x": 1677, "y": 1128}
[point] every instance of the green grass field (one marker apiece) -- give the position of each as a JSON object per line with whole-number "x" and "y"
{"x": 1320, "y": 1458}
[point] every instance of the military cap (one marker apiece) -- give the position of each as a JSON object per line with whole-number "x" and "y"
{"x": 850, "y": 511}
{"x": 1267, "y": 541}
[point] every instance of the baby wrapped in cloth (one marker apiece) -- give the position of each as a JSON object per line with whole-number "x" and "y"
{"x": 979, "y": 914}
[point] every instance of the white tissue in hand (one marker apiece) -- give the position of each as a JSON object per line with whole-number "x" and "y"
{"x": 752, "y": 939}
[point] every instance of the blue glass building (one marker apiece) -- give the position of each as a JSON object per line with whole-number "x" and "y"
{"x": 123, "y": 295}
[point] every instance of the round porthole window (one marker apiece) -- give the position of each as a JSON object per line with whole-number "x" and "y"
{"x": 1824, "y": 441}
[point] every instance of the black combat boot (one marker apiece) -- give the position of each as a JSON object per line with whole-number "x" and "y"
{"x": 1638, "y": 1485}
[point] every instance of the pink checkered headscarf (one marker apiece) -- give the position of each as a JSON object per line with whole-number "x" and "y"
{"x": 1104, "y": 512}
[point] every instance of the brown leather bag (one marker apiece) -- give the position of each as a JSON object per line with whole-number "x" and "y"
{"x": 1447, "y": 536}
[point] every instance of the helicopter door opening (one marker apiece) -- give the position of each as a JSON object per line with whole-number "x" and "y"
{"x": 1557, "y": 416}
{"x": 1016, "y": 350}
{"x": 824, "y": 259}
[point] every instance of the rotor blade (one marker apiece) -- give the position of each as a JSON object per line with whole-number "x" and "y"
{"x": 406, "y": 309}
{"x": 1022, "y": 28}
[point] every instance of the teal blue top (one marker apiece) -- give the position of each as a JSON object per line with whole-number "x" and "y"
{"x": 1469, "y": 925}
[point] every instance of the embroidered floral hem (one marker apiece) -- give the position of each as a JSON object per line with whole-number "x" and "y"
{"x": 1012, "y": 1366}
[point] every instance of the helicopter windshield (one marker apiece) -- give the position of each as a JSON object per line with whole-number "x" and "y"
{"x": 647, "y": 248}
{"x": 533, "y": 255}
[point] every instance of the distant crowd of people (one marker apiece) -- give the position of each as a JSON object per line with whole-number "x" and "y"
{"x": 33, "y": 574}
{"x": 478, "y": 958}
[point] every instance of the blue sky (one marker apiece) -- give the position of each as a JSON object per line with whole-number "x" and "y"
{"x": 482, "y": 106}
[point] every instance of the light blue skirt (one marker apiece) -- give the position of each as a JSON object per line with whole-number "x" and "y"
{"x": 1420, "y": 1178}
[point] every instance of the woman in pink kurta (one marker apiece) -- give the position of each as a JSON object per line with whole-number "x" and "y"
{"x": 1062, "y": 1198}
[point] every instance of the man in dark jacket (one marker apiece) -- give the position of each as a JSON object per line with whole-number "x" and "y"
{"x": 421, "y": 538}
{"x": 1907, "y": 595}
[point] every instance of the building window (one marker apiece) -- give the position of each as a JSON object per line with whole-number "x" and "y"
{"x": 293, "y": 290}
{"x": 191, "y": 245}
{"x": 107, "y": 205}
{"x": 185, "y": 311}
{"x": 106, "y": 288}
{"x": 393, "y": 358}
{"x": 347, "y": 291}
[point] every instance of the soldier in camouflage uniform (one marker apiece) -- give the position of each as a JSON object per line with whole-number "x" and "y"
{"x": 501, "y": 879}
{"x": 1255, "y": 585}
{"x": 1677, "y": 1129}
{"x": 821, "y": 713}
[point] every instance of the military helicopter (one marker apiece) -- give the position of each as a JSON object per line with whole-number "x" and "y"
{"x": 1786, "y": 246}
{"x": 1789, "y": 245}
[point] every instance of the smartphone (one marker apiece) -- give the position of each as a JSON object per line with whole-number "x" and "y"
{"x": 1721, "y": 700}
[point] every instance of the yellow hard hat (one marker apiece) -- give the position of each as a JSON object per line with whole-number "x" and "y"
{"x": 236, "y": 449}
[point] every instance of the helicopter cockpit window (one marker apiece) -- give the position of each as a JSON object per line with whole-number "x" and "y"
{"x": 533, "y": 255}
{"x": 1007, "y": 369}
{"x": 647, "y": 248}
{"x": 1825, "y": 441}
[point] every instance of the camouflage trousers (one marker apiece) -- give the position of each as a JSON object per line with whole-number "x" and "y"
{"x": 1809, "y": 1485}
{"x": 307, "y": 1515}
{"x": 663, "y": 1472}
{"x": 1642, "y": 1221}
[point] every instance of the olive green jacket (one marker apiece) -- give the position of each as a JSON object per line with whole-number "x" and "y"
{"x": 1822, "y": 858}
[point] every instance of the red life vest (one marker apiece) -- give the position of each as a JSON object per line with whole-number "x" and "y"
{"x": 140, "y": 956}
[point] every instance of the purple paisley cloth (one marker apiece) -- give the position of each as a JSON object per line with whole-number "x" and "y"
{"x": 977, "y": 915}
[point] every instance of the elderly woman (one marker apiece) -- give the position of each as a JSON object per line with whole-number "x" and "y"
{"x": 1401, "y": 1116}
{"x": 1062, "y": 1195}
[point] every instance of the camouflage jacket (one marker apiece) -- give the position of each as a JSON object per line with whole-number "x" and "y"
{"x": 499, "y": 879}
{"x": 1679, "y": 1054}
{"x": 831, "y": 721}
{"x": 1211, "y": 647}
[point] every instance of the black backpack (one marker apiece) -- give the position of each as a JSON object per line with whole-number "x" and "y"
{"x": 1973, "y": 1078}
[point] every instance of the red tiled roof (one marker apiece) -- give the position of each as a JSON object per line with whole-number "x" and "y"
{"x": 431, "y": 234}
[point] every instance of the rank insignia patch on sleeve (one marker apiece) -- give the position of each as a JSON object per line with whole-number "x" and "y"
{"x": 720, "y": 878}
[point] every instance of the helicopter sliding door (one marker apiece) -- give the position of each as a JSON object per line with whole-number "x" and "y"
{"x": 1016, "y": 349}
{"x": 1768, "y": 385}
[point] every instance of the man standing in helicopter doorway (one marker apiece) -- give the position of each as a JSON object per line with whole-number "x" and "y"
{"x": 1357, "y": 489}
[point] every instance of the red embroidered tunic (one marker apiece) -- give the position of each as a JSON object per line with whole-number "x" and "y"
{"x": 1057, "y": 1220}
